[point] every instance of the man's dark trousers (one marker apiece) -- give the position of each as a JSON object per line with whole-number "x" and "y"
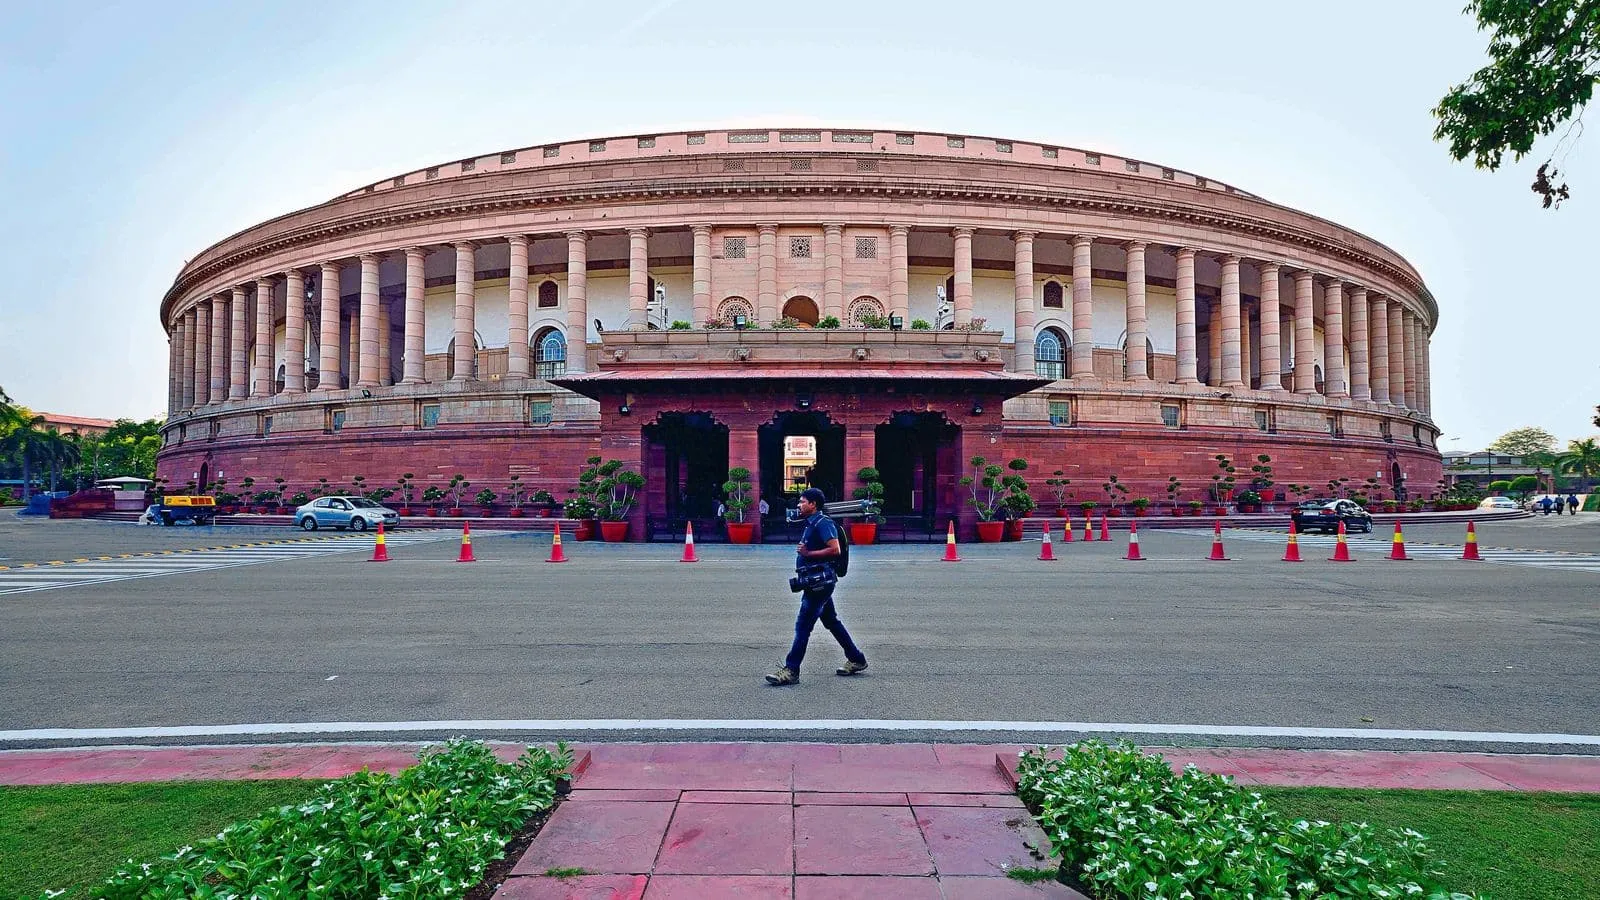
{"x": 816, "y": 605}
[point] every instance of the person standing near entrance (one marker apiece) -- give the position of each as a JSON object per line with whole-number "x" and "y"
{"x": 819, "y": 544}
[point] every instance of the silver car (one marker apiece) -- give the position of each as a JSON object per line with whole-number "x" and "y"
{"x": 355, "y": 513}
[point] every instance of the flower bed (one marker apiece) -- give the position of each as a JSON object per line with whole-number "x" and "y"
{"x": 430, "y": 831}
{"x": 1125, "y": 826}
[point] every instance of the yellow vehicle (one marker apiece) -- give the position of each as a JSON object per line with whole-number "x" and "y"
{"x": 199, "y": 509}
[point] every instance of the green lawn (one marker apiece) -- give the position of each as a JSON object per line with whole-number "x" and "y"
{"x": 1505, "y": 846}
{"x": 60, "y": 836}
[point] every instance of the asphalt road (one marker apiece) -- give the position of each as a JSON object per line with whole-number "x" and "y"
{"x": 628, "y": 632}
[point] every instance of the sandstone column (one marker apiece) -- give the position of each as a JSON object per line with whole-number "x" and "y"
{"x": 1188, "y": 359}
{"x": 186, "y": 401}
{"x": 261, "y": 374}
{"x": 1424, "y": 370}
{"x": 767, "y": 278}
{"x": 1409, "y": 348}
{"x": 385, "y": 362}
{"x": 899, "y": 274}
{"x": 367, "y": 374}
{"x": 174, "y": 361}
{"x": 1138, "y": 362}
{"x": 833, "y": 272}
{"x": 1082, "y": 307}
{"x": 577, "y": 302}
{"x": 1360, "y": 337}
{"x": 1214, "y": 339}
{"x": 1334, "y": 384}
{"x": 1380, "y": 350}
{"x": 238, "y": 347}
{"x": 517, "y": 315}
{"x": 1246, "y": 343}
{"x": 294, "y": 332}
{"x": 1271, "y": 329}
{"x": 1231, "y": 358}
{"x": 1022, "y": 302}
{"x": 702, "y": 274}
{"x": 638, "y": 279}
{"x": 466, "y": 319}
{"x": 219, "y": 349}
{"x": 202, "y": 353}
{"x": 328, "y": 378}
{"x": 413, "y": 364}
{"x": 1397, "y": 355}
{"x": 961, "y": 303}
{"x": 1305, "y": 336}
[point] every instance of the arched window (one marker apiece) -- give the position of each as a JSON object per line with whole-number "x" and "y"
{"x": 1053, "y": 295}
{"x": 450, "y": 357}
{"x": 278, "y": 381}
{"x": 802, "y": 309}
{"x": 735, "y": 306}
{"x": 1149, "y": 358}
{"x": 549, "y": 296}
{"x": 1049, "y": 354}
{"x": 1316, "y": 372}
{"x": 549, "y": 354}
{"x": 864, "y": 309}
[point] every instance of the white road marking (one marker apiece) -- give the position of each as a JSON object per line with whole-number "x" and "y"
{"x": 1378, "y": 547}
{"x": 574, "y": 726}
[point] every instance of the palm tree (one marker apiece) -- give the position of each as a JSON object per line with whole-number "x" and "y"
{"x": 27, "y": 444}
{"x": 1581, "y": 459}
{"x": 61, "y": 452}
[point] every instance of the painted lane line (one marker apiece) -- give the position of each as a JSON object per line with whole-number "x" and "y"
{"x": 808, "y": 725}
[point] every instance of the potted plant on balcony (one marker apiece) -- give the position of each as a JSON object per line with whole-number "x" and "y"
{"x": 1141, "y": 506}
{"x": 432, "y": 496}
{"x": 486, "y": 498}
{"x": 1058, "y": 489}
{"x": 457, "y": 490}
{"x": 736, "y": 490}
{"x": 865, "y": 529}
{"x": 617, "y": 489}
{"x": 408, "y": 486}
{"x": 985, "y": 485}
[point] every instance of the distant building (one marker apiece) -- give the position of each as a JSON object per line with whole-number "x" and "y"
{"x": 1482, "y": 466}
{"x": 79, "y": 425}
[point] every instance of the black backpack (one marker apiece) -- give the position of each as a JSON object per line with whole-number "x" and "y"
{"x": 841, "y": 563}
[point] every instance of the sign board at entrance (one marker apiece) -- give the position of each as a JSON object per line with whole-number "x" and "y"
{"x": 798, "y": 447}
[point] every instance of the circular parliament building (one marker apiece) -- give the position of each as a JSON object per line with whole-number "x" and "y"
{"x": 804, "y": 304}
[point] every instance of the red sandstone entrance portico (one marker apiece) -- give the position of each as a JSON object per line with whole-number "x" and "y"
{"x": 684, "y": 422}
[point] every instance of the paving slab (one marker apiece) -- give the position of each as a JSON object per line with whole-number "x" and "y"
{"x": 719, "y": 887}
{"x": 866, "y": 887}
{"x": 859, "y": 840}
{"x": 1004, "y": 801}
{"x": 963, "y": 887}
{"x": 783, "y": 798}
{"x": 583, "y": 887}
{"x": 979, "y": 840}
{"x": 826, "y": 798}
{"x": 1541, "y": 773}
{"x": 600, "y": 836}
{"x": 660, "y": 795}
{"x": 689, "y": 776}
{"x": 955, "y": 778}
{"x": 728, "y": 839}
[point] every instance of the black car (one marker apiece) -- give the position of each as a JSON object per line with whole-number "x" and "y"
{"x": 1325, "y": 516}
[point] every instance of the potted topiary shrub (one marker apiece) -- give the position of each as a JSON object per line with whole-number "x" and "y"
{"x": 1058, "y": 490}
{"x": 985, "y": 485}
{"x": 736, "y": 491}
{"x": 278, "y": 485}
{"x": 432, "y": 496}
{"x": 1116, "y": 491}
{"x": 617, "y": 489}
{"x": 1261, "y": 478}
{"x": 457, "y": 489}
{"x": 1173, "y": 487}
{"x": 1017, "y": 502}
{"x": 1141, "y": 506}
{"x": 486, "y": 498}
{"x": 865, "y": 529}
{"x": 408, "y": 487}
{"x": 247, "y": 494}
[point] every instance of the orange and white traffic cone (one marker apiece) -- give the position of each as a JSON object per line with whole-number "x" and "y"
{"x": 380, "y": 550}
{"x": 1088, "y": 527}
{"x": 1216, "y": 543}
{"x": 1046, "y": 552}
{"x": 1471, "y": 550}
{"x": 1398, "y": 551}
{"x": 556, "y": 553}
{"x": 1133, "y": 542}
{"x": 1341, "y": 550}
{"x": 1104, "y": 534}
{"x": 688, "y": 545}
{"x": 1291, "y": 553}
{"x": 950, "y": 544}
{"x": 1066, "y": 531}
{"x": 466, "y": 544}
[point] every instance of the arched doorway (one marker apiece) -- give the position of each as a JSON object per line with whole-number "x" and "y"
{"x": 685, "y": 464}
{"x": 802, "y": 309}
{"x": 918, "y": 459}
{"x": 790, "y": 466}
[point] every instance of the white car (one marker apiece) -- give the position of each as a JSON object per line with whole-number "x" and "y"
{"x": 1499, "y": 503}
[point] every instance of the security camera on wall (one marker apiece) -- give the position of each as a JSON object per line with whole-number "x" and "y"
{"x": 661, "y": 293}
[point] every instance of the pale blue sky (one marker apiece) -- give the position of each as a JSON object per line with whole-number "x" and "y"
{"x": 133, "y": 135}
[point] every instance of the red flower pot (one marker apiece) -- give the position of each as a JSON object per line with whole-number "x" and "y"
{"x": 1013, "y": 530}
{"x": 991, "y": 532}
{"x": 744, "y": 532}
{"x": 1141, "y": 511}
{"x": 405, "y": 510}
{"x": 515, "y": 512}
{"x": 614, "y": 532}
{"x": 863, "y": 532}
{"x": 585, "y": 530}
{"x": 433, "y": 511}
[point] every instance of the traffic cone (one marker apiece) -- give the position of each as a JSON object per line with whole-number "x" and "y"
{"x": 466, "y": 543}
{"x": 380, "y": 550}
{"x": 1133, "y": 542}
{"x": 1066, "y": 531}
{"x": 1341, "y": 550}
{"x": 1088, "y": 527}
{"x": 1216, "y": 543}
{"x": 950, "y": 544}
{"x": 1471, "y": 550}
{"x": 556, "y": 553}
{"x": 1399, "y": 549}
{"x": 688, "y": 545}
{"x": 1291, "y": 553}
{"x": 1046, "y": 552}
{"x": 1104, "y": 534}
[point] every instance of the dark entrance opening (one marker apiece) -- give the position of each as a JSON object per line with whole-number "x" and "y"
{"x": 204, "y": 479}
{"x": 781, "y": 481}
{"x": 918, "y": 460}
{"x": 686, "y": 462}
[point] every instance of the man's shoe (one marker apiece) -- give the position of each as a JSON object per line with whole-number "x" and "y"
{"x": 783, "y": 677}
{"x": 851, "y": 668}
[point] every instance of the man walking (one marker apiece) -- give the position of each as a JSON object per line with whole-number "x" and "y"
{"x": 819, "y": 545}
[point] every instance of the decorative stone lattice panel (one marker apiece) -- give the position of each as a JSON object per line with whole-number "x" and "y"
{"x": 799, "y": 248}
{"x": 734, "y": 247}
{"x": 864, "y": 306}
{"x": 735, "y": 306}
{"x": 866, "y": 248}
